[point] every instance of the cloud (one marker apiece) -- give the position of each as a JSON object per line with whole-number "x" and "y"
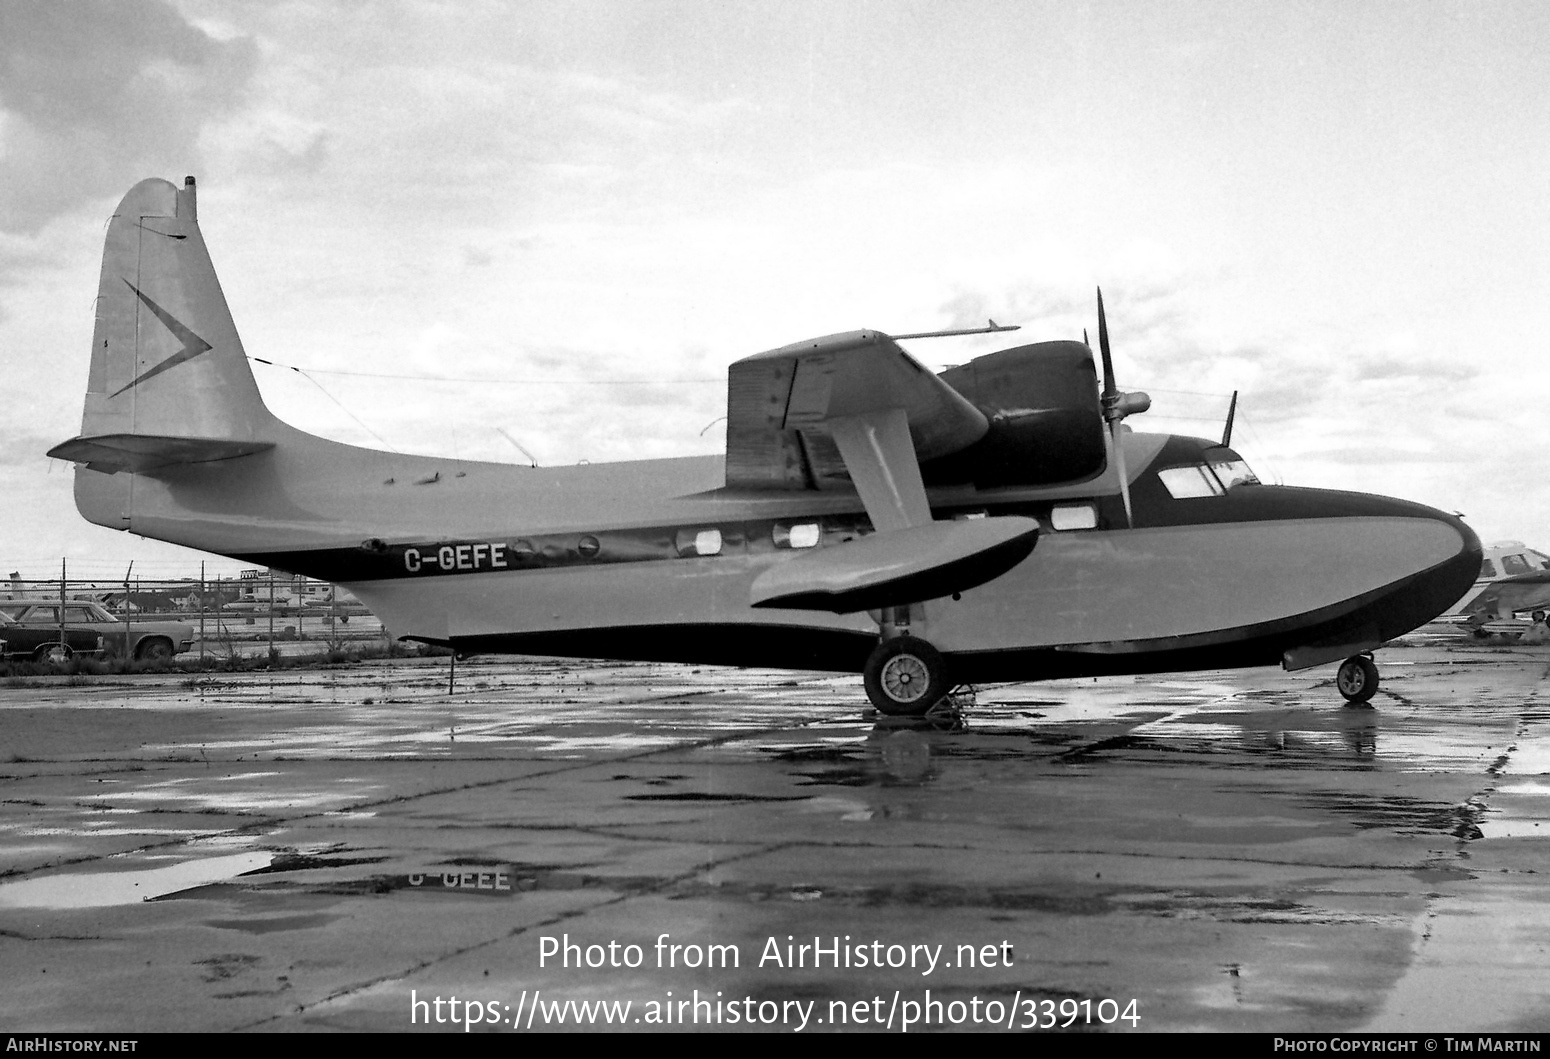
{"x": 1030, "y": 306}
{"x": 1385, "y": 368}
{"x": 97, "y": 93}
{"x": 20, "y": 447}
{"x": 1380, "y": 454}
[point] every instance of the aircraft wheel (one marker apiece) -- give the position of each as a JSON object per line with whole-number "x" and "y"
{"x": 906, "y": 676}
{"x": 54, "y": 654}
{"x": 1357, "y": 679}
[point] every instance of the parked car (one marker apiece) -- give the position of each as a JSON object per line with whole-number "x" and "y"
{"x": 44, "y": 645}
{"x": 153, "y": 640}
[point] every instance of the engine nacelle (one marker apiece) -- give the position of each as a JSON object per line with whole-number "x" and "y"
{"x": 1046, "y": 420}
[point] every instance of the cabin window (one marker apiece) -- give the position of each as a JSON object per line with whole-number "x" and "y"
{"x": 1073, "y": 517}
{"x": 797, "y": 535}
{"x": 1487, "y": 569}
{"x": 1515, "y": 564}
{"x": 1185, "y": 483}
{"x": 699, "y": 542}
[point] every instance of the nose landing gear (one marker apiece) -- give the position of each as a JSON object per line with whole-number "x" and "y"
{"x": 1357, "y": 679}
{"x": 905, "y": 676}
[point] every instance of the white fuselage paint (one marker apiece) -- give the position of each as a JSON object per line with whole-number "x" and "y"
{"x": 1084, "y": 587}
{"x": 1079, "y": 587}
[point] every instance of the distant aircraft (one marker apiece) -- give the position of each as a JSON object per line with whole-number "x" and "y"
{"x": 996, "y": 522}
{"x": 1510, "y": 565}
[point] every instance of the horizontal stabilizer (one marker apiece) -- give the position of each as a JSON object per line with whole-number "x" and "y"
{"x": 898, "y": 567}
{"x": 147, "y": 453}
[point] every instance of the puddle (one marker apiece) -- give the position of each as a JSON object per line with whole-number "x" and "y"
{"x": 1517, "y": 811}
{"x": 106, "y": 889}
{"x": 196, "y": 791}
{"x": 1531, "y": 758}
{"x": 1494, "y": 826}
{"x": 1526, "y": 787}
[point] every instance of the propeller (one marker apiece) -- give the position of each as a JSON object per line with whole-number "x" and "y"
{"x": 1116, "y": 406}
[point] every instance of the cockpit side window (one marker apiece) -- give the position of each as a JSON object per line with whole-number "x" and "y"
{"x": 1515, "y": 564}
{"x": 1190, "y": 481}
{"x": 1230, "y": 468}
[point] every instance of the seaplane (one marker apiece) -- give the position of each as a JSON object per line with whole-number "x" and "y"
{"x": 997, "y": 521}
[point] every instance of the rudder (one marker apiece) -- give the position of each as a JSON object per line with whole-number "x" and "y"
{"x": 169, "y": 380}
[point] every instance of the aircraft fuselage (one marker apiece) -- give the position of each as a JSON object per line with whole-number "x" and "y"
{"x": 653, "y": 560}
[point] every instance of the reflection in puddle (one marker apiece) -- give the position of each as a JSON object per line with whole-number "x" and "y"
{"x": 849, "y": 810}
{"x": 1526, "y": 787}
{"x": 195, "y": 790}
{"x": 1436, "y": 753}
{"x": 1530, "y": 758}
{"x": 105, "y": 889}
{"x": 1498, "y": 825}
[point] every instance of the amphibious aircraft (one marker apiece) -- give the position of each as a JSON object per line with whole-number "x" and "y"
{"x": 995, "y": 522}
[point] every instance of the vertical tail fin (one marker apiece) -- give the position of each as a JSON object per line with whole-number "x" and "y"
{"x": 169, "y": 381}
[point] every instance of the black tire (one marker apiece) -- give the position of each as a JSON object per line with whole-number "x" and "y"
{"x": 155, "y": 649}
{"x": 53, "y": 654}
{"x": 906, "y": 676}
{"x": 1357, "y": 679}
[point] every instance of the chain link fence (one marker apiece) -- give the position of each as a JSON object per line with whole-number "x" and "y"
{"x": 259, "y": 612}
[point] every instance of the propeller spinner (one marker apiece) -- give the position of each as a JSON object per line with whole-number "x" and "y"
{"x": 1116, "y": 406}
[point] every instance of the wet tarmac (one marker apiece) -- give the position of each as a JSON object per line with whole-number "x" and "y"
{"x": 352, "y": 848}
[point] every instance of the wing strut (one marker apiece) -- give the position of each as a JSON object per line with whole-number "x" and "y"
{"x": 884, "y": 413}
{"x": 880, "y": 457}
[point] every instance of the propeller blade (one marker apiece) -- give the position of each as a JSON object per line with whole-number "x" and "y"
{"x": 1116, "y": 406}
{"x": 1109, "y": 389}
{"x": 1119, "y": 465}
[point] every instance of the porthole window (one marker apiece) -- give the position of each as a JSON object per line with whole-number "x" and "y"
{"x": 699, "y": 542}
{"x": 797, "y": 535}
{"x": 1073, "y": 517}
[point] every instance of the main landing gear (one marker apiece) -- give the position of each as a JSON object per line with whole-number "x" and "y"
{"x": 1357, "y": 679}
{"x": 906, "y": 676}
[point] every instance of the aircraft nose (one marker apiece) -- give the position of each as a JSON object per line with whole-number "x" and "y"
{"x": 1403, "y": 562}
{"x": 1444, "y": 554}
{"x": 1455, "y": 576}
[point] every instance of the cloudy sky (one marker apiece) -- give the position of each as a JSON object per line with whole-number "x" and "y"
{"x": 478, "y": 226}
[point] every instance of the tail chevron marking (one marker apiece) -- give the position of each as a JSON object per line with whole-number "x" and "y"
{"x": 193, "y": 345}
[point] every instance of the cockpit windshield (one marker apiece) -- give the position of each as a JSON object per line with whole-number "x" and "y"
{"x": 1230, "y": 467}
{"x": 1213, "y": 473}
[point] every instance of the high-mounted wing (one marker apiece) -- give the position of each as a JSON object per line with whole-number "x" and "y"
{"x": 781, "y": 404}
{"x": 856, "y": 406}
